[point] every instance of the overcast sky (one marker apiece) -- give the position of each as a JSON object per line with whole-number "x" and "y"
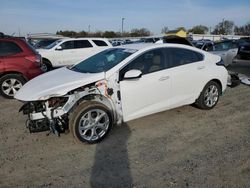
{"x": 38, "y": 16}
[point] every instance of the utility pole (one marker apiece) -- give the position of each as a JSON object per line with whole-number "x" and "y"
{"x": 223, "y": 26}
{"x": 19, "y": 32}
{"x": 89, "y": 29}
{"x": 122, "y": 25}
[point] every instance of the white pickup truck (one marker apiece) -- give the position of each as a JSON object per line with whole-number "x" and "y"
{"x": 70, "y": 51}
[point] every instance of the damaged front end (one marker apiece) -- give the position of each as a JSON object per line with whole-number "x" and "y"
{"x": 46, "y": 115}
{"x": 52, "y": 113}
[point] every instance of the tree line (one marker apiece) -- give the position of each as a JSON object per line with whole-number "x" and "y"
{"x": 225, "y": 27}
{"x": 106, "y": 34}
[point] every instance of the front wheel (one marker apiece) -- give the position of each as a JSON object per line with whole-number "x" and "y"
{"x": 90, "y": 122}
{"x": 10, "y": 84}
{"x": 209, "y": 96}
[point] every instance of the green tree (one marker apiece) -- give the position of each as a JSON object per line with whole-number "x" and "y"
{"x": 67, "y": 33}
{"x": 139, "y": 32}
{"x": 199, "y": 29}
{"x": 82, "y": 34}
{"x": 109, "y": 34}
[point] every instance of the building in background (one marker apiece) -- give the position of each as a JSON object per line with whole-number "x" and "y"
{"x": 180, "y": 33}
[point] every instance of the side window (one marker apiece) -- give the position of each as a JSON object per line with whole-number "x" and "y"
{"x": 68, "y": 45}
{"x": 222, "y": 46}
{"x": 9, "y": 48}
{"x": 100, "y": 43}
{"x": 83, "y": 44}
{"x": 209, "y": 47}
{"x": 180, "y": 56}
{"x": 148, "y": 62}
{"x": 234, "y": 45}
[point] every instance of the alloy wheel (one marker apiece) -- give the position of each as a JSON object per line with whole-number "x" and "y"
{"x": 211, "y": 96}
{"x": 93, "y": 124}
{"x": 11, "y": 86}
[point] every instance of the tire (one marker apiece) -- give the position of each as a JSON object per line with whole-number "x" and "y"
{"x": 10, "y": 84}
{"x": 87, "y": 113}
{"x": 209, "y": 96}
{"x": 46, "y": 66}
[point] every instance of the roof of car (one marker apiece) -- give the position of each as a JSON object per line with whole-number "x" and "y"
{"x": 140, "y": 46}
{"x": 136, "y": 46}
{"x": 66, "y": 39}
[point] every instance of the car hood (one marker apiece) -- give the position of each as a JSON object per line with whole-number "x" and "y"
{"x": 55, "y": 83}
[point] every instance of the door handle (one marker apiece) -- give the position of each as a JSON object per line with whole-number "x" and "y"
{"x": 164, "y": 78}
{"x": 201, "y": 67}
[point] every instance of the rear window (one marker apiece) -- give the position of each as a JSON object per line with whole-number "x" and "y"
{"x": 100, "y": 43}
{"x": 9, "y": 48}
{"x": 180, "y": 56}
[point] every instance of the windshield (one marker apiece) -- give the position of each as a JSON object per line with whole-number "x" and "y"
{"x": 53, "y": 44}
{"x": 103, "y": 61}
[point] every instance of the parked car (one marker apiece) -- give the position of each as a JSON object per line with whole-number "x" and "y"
{"x": 44, "y": 43}
{"x": 204, "y": 44}
{"x": 175, "y": 40}
{"x": 227, "y": 49}
{"x": 149, "y": 40}
{"x": 69, "y": 51}
{"x": 19, "y": 62}
{"x": 241, "y": 62}
{"x": 121, "y": 84}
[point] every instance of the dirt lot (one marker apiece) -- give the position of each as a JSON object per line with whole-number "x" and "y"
{"x": 184, "y": 147}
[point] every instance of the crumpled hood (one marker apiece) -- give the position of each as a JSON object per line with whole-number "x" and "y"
{"x": 55, "y": 83}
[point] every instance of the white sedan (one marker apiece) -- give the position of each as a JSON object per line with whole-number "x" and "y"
{"x": 121, "y": 84}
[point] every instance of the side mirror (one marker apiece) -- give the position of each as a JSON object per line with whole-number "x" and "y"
{"x": 132, "y": 74}
{"x": 59, "y": 48}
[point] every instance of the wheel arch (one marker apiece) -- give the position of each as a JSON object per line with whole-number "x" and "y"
{"x": 98, "y": 98}
{"x": 47, "y": 60}
{"x": 13, "y": 72}
{"x": 219, "y": 83}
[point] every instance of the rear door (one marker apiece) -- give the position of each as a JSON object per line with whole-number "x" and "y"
{"x": 187, "y": 71}
{"x": 83, "y": 49}
{"x": 151, "y": 92}
{"x": 11, "y": 56}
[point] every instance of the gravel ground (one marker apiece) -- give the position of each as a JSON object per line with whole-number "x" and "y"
{"x": 184, "y": 147}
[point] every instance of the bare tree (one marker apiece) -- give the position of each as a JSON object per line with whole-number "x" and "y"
{"x": 242, "y": 30}
{"x": 225, "y": 28}
{"x": 164, "y": 30}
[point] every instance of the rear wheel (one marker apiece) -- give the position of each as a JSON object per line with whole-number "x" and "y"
{"x": 90, "y": 122}
{"x": 209, "y": 96}
{"x": 10, "y": 84}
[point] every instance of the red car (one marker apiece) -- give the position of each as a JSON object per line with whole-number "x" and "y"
{"x": 19, "y": 62}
